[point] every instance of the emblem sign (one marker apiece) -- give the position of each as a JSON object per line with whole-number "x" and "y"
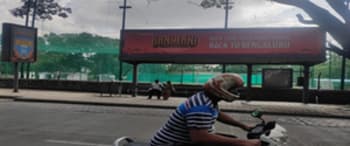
{"x": 19, "y": 43}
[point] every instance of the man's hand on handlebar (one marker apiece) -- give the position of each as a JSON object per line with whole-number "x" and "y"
{"x": 247, "y": 127}
{"x": 253, "y": 142}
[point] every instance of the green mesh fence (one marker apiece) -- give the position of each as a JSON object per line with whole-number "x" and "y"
{"x": 186, "y": 78}
{"x": 89, "y": 57}
{"x": 78, "y": 43}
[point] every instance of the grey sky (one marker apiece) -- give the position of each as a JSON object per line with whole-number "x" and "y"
{"x": 103, "y": 17}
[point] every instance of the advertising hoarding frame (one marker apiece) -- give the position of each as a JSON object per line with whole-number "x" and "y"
{"x": 167, "y": 55}
{"x": 19, "y": 43}
{"x": 265, "y": 83}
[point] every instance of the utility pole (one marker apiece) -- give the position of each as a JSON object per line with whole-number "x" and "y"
{"x": 121, "y": 43}
{"x": 29, "y": 3}
{"x": 16, "y": 79}
{"x": 33, "y": 25}
{"x": 227, "y": 7}
{"x": 35, "y": 3}
{"x": 343, "y": 64}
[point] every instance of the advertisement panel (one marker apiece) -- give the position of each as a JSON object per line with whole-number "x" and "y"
{"x": 19, "y": 43}
{"x": 211, "y": 46}
{"x": 277, "y": 78}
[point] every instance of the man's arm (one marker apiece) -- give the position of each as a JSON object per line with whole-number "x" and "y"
{"x": 224, "y": 118}
{"x": 202, "y": 137}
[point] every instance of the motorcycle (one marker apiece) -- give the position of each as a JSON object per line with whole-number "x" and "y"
{"x": 269, "y": 132}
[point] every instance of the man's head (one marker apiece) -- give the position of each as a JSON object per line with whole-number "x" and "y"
{"x": 219, "y": 86}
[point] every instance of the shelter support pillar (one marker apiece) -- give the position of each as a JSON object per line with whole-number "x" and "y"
{"x": 223, "y": 68}
{"x": 306, "y": 83}
{"x": 249, "y": 82}
{"x": 249, "y": 75}
{"x": 134, "y": 80}
{"x": 15, "y": 80}
{"x": 343, "y": 65}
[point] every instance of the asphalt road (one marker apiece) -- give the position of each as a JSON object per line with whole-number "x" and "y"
{"x": 45, "y": 124}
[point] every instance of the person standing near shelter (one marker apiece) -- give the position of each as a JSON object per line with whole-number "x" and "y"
{"x": 192, "y": 123}
{"x": 156, "y": 89}
{"x": 168, "y": 90}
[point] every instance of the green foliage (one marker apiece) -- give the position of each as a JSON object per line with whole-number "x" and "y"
{"x": 78, "y": 43}
{"x": 103, "y": 64}
{"x": 45, "y": 9}
{"x": 6, "y": 68}
{"x": 332, "y": 67}
{"x": 71, "y": 53}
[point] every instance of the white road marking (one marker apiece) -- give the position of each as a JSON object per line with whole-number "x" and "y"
{"x": 75, "y": 142}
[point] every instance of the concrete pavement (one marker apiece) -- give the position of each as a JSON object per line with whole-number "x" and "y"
{"x": 276, "y": 108}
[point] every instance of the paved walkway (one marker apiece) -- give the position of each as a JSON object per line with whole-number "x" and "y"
{"x": 279, "y": 108}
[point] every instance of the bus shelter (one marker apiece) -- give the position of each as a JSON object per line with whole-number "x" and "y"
{"x": 250, "y": 46}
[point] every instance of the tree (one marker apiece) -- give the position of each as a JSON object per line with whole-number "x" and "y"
{"x": 320, "y": 16}
{"x": 212, "y": 3}
{"x": 45, "y": 9}
{"x": 328, "y": 22}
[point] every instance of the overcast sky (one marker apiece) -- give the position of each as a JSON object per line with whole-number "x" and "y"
{"x": 103, "y": 17}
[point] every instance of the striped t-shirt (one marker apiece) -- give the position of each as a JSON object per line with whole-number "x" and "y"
{"x": 197, "y": 112}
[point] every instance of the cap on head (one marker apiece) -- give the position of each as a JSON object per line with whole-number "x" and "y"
{"x": 220, "y": 85}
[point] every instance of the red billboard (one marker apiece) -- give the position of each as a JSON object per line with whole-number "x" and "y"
{"x": 214, "y": 46}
